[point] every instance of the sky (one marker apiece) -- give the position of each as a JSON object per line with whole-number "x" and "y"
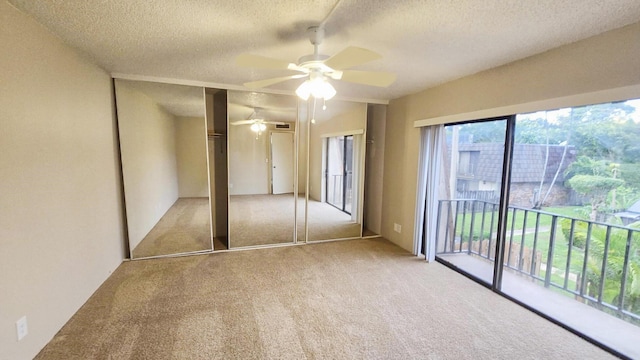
{"x": 552, "y": 115}
{"x": 636, "y": 114}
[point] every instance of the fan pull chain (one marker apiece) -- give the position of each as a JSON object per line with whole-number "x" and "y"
{"x": 313, "y": 113}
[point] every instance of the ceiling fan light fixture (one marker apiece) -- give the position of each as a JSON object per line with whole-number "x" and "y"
{"x": 258, "y": 127}
{"x": 318, "y": 87}
{"x": 323, "y": 90}
{"x": 304, "y": 90}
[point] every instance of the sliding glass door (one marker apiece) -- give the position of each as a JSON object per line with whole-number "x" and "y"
{"x": 339, "y": 172}
{"x": 468, "y": 209}
{"x": 544, "y": 208}
{"x": 572, "y": 245}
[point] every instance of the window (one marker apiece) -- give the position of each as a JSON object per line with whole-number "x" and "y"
{"x": 339, "y": 172}
{"x": 544, "y": 208}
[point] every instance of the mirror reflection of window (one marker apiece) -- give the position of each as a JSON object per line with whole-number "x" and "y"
{"x": 336, "y": 171}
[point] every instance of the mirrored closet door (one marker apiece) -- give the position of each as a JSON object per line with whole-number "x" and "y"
{"x": 163, "y": 145}
{"x": 263, "y": 174}
{"x": 336, "y": 149}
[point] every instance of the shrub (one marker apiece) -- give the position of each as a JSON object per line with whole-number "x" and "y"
{"x": 579, "y": 232}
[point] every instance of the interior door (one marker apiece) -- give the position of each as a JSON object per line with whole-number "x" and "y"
{"x": 282, "y": 162}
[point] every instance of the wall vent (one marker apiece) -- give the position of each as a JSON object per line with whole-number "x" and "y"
{"x": 282, "y": 126}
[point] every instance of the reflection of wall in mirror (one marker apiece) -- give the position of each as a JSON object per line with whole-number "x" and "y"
{"x": 160, "y": 159}
{"x": 249, "y": 160}
{"x": 248, "y": 166}
{"x": 147, "y": 142}
{"x": 191, "y": 155}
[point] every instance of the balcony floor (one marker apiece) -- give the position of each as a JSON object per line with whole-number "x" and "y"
{"x": 616, "y": 333}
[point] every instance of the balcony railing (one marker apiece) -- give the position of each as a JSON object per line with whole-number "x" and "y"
{"x": 597, "y": 263}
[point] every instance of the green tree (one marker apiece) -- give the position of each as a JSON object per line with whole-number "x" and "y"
{"x": 596, "y": 188}
{"x": 615, "y": 266}
{"x": 630, "y": 173}
{"x": 483, "y": 132}
{"x": 539, "y": 131}
{"x": 585, "y": 165}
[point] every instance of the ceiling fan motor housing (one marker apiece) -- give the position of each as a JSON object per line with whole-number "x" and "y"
{"x": 316, "y": 34}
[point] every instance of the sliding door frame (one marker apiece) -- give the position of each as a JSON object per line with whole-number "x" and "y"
{"x": 344, "y": 172}
{"x": 496, "y": 285}
{"x": 503, "y": 206}
{"x": 509, "y": 137}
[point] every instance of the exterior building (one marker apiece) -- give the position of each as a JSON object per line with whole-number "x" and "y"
{"x": 480, "y": 170}
{"x": 631, "y": 215}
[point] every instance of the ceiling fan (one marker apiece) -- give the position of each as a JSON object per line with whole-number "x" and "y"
{"x": 318, "y": 69}
{"x": 256, "y": 123}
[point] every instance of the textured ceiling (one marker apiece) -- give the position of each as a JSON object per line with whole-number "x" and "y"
{"x": 179, "y": 100}
{"x": 425, "y": 42}
{"x": 271, "y": 107}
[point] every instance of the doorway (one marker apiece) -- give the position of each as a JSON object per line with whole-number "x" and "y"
{"x": 282, "y": 162}
{"x": 339, "y": 172}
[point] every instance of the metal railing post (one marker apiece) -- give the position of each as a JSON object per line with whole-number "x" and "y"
{"x": 484, "y": 213}
{"x": 455, "y": 227}
{"x": 473, "y": 221}
{"x": 586, "y": 259}
{"x": 493, "y": 214}
{"x": 552, "y": 241}
{"x": 569, "y": 247}
{"x": 535, "y": 245}
{"x": 604, "y": 264}
{"x": 513, "y": 225}
{"x": 524, "y": 233}
{"x": 623, "y": 281}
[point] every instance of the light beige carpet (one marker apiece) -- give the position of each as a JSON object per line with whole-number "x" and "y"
{"x": 358, "y": 299}
{"x": 184, "y": 227}
{"x": 268, "y": 219}
{"x": 260, "y": 219}
{"x": 327, "y": 222}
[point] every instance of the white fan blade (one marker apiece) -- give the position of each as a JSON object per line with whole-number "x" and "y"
{"x": 263, "y": 62}
{"x": 242, "y": 122}
{"x": 373, "y": 78}
{"x": 273, "y": 122}
{"x": 267, "y": 82}
{"x": 351, "y": 56}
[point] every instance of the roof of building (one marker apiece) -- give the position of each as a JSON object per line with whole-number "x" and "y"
{"x": 528, "y": 161}
{"x": 635, "y": 208}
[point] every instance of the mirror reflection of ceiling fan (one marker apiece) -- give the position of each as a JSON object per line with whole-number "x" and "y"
{"x": 256, "y": 123}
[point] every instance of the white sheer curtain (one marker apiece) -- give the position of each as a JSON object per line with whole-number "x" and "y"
{"x": 429, "y": 168}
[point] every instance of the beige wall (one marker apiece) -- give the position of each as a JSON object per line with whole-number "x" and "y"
{"x": 248, "y": 161}
{"x": 559, "y": 77}
{"x": 60, "y": 219}
{"x": 374, "y": 167}
{"x": 191, "y": 157}
{"x": 148, "y": 147}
